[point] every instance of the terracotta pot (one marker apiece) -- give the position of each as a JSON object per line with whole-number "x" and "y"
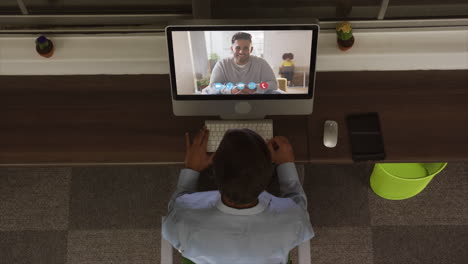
{"x": 345, "y": 44}
{"x": 47, "y": 52}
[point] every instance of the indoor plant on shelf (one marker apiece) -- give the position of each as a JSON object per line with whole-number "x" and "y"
{"x": 44, "y": 47}
{"x": 345, "y": 36}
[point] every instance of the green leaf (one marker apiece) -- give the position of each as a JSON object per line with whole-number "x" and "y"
{"x": 43, "y": 45}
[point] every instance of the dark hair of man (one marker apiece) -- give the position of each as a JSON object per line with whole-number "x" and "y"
{"x": 242, "y": 166}
{"x": 288, "y": 55}
{"x": 241, "y": 35}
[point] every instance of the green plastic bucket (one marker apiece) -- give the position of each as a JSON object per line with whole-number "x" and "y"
{"x": 397, "y": 181}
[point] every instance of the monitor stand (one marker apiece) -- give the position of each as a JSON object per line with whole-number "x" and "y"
{"x": 243, "y": 110}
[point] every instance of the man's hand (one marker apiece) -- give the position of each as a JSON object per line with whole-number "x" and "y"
{"x": 281, "y": 150}
{"x": 196, "y": 157}
{"x": 243, "y": 91}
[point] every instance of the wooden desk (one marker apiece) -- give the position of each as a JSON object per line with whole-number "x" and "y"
{"x": 128, "y": 119}
{"x": 102, "y": 119}
{"x": 423, "y": 114}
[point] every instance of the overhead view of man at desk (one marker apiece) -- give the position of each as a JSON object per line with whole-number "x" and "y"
{"x": 364, "y": 156}
{"x": 241, "y": 222}
{"x": 243, "y": 73}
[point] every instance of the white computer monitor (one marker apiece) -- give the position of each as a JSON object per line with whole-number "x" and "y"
{"x": 242, "y": 71}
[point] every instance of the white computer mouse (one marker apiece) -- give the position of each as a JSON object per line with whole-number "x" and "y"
{"x": 330, "y": 133}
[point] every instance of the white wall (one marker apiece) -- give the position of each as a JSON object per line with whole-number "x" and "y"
{"x": 218, "y": 43}
{"x": 400, "y": 50}
{"x": 85, "y": 54}
{"x": 411, "y": 49}
{"x": 183, "y": 63}
{"x": 296, "y": 42}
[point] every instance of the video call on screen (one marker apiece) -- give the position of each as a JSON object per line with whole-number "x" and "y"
{"x": 258, "y": 62}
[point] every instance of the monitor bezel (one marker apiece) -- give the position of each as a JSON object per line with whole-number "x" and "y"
{"x": 313, "y": 58}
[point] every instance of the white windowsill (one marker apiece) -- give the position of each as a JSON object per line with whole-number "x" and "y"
{"x": 147, "y": 54}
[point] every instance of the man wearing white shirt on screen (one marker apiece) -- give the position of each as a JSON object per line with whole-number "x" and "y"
{"x": 253, "y": 72}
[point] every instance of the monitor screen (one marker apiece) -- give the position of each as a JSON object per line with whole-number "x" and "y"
{"x": 248, "y": 62}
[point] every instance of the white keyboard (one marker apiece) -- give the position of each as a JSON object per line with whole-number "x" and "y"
{"x": 217, "y": 129}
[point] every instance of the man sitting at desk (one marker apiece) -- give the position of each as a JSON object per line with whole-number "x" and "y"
{"x": 240, "y": 223}
{"x": 242, "y": 74}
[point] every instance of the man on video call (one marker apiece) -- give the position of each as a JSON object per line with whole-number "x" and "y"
{"x": 240, "y": 222}
{"x": 254, "y": 73}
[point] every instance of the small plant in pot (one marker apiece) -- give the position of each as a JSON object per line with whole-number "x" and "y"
{"x": 203, "y": 83}
{"x": 213, "y": 60}
{"x": 345, "y": 36}
{"x": 44, "y": 47}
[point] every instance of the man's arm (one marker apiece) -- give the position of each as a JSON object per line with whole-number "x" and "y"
{"x": 290, "y": 186}
{"x": 283, "y": 155}
{"x": 187, "y": 183}
{"x": 196, "y": 160}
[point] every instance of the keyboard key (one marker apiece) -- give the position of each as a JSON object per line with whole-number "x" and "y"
{"x": 219, "y": 127}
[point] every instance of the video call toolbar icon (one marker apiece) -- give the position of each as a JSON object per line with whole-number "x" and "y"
{"x": 240, "y": 85}
{"x": 218, "y": 86}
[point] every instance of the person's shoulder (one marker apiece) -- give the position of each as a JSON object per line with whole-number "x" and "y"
{"x": 278, "y": 204}
{"x": 285, "y": 210}
{"x": 197, "y": 200}
{"x": 281, "y": 204}
{"x": 258, "y": 59}
{"x": 225, "y": 61}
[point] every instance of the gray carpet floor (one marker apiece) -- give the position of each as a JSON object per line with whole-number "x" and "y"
{"x": 112, "y": 214}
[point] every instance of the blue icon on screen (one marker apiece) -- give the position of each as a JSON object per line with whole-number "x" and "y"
{"x": 218, "y": 86}
{"x": 252, "y": 85}
{"x": 229, "y": 85}
{"x": 240, "y": 85}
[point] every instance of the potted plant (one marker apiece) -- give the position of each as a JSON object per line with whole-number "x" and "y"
{"x": 213, "y": 60}
{"x": 345, "y": 38}
{"x": 44, "y": 47}
{"x": 203, "y": 83}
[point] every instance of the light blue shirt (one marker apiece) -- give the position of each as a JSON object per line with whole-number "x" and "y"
{"x": 207, "y": 231}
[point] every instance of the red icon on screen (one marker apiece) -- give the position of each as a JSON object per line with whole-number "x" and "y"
{"x": 264, "y": 85}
